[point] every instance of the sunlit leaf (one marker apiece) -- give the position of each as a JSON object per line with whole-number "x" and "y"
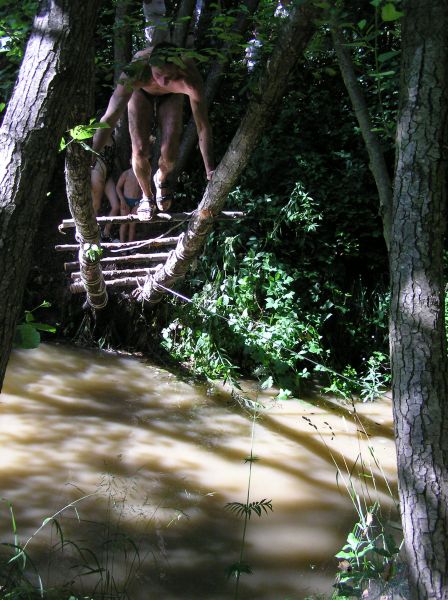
{"x": 390, "y": 13}
{"x": 26, "y": 337}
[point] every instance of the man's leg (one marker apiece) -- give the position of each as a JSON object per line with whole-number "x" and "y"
{"x": 141, "y": 118}
{"x": 170, "y": 112}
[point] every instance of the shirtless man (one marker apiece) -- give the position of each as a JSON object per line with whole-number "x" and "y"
{"x": 153, "y": 85}
{"x": 129, "y": 192}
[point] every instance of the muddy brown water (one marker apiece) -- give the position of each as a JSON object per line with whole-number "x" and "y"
{"x": 162, "y": 458}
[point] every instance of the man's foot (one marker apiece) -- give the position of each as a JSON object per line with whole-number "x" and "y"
{"x": 164, "y": 198}
{"x": 146, "y": 209}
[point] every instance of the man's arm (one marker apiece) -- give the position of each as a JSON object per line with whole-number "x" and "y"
{"x": 200, "y": 115}
{"x": 115, "y": 109}
{"x": 195, "y": 91}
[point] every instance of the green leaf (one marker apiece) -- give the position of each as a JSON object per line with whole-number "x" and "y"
{"x": 44, "y": 327}
{"x": 385, "y": 56}
{"x": 26, "y": 337}
{"x": 390, "y": 13}
{"x": 353, "y": 540}
{"x": 62, "y": 145}
{"x": 362, "y": 23}
{"x": 283, "y": 394}
{"x": 267, "y": 383}
{"x": 81, "y": 132}
{"x": 343, "y": 554}
{"x": 2, "y": 106}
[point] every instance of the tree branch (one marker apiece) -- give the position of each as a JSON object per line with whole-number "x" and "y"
{"x": 377, "y": 163}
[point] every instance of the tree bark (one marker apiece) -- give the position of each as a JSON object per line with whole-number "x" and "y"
{"x": 292, "y": 41}
{"x": 417, "y": 331}
{"x": 122, "y": 56}
{"x": 373, "y": 145}
{"x": 77, "y": 175}
{"x": 33, "y": 125}
{"x": 190, "y": 135}
{"x": 183, "y": 20}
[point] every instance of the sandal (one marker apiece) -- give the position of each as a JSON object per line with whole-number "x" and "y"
{"x": 146, "y": 209}
{"x": 163, "y": 201}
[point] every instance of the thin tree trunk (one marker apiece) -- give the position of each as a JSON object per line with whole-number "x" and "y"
{"x": 77, "y": 175}
{"x": 190, "y": 135}
{"x": 291, "y": 43}
{"x": 183, "y": 20}
{"x": 417, "y": 332}
{"x": 33, "y": 125}
{"x": 122, "y": 56}
{"x": 373, "y": 145}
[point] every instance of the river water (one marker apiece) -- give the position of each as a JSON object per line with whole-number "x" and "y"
{"x": 162, "y": 457}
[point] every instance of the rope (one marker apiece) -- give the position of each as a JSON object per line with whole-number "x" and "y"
{"x": 88, "y": 270}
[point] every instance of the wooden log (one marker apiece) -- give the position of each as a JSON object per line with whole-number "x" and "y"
{"x": 151, "y": 243}
{"x": 134, "y": 258}
{"x": 120, "y": 273}
{"x": 126, "y": 282}
{"x": 159, "y": 218}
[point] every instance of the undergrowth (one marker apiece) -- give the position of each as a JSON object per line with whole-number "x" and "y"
{"x": 255, "y": 311}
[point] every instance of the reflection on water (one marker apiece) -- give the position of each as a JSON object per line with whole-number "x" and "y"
{"x": 164, "y": 457}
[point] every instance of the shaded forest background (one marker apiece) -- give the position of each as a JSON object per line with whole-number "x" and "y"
{"x": 300, "y": 285}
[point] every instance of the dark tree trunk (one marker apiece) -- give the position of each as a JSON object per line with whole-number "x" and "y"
{"x": 291, "y": 43}
{"x": 417, "y": 334}
{"x": 122, "y": 56}
{"x": 377, "y": 163}
{"x": 190, "y": 135}
{"x": 35, "y": 120}
{"x": 183, "y": 20}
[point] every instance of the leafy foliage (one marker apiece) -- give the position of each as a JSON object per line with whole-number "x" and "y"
{"x": 369, "y": 553}
{"x": 15, "y": 26}
{"x": 258, "y": 508}
{"x": 27, "y": 334}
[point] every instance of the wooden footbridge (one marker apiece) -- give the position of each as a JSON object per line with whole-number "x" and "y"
{"x": 134, "y": 264}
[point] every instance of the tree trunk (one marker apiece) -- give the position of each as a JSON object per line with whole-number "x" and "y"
{"x": 373, "y": 145}
{"x": 292, "y": 41}
{"x": 417, "y": 332}
{"x": 33, "y": 125}
{"x": 190, "y": 135}
{"x": 122, "y": 56}
{"x": 183, "y": 20}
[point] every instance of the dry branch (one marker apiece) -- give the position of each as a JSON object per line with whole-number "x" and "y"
{"x": 153, "y": 243}
{"x": 135, "y": 258}
{"x": 118, "y": 273}
{"x": 78, "y": 286}
{"x": 159, "y": 218}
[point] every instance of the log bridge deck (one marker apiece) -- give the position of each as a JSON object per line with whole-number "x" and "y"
{"x": 126, "y": 265}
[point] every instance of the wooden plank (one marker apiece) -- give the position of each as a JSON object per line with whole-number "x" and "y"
{"x": 119, "y": 273}
{"x": 126, "y": 282}
{"x": 159, "y": 257}
{"x": 151, "y": 243}
{"x": 159, "y": 218}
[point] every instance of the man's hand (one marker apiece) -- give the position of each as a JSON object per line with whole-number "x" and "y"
{"x": 210, "y": 175}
